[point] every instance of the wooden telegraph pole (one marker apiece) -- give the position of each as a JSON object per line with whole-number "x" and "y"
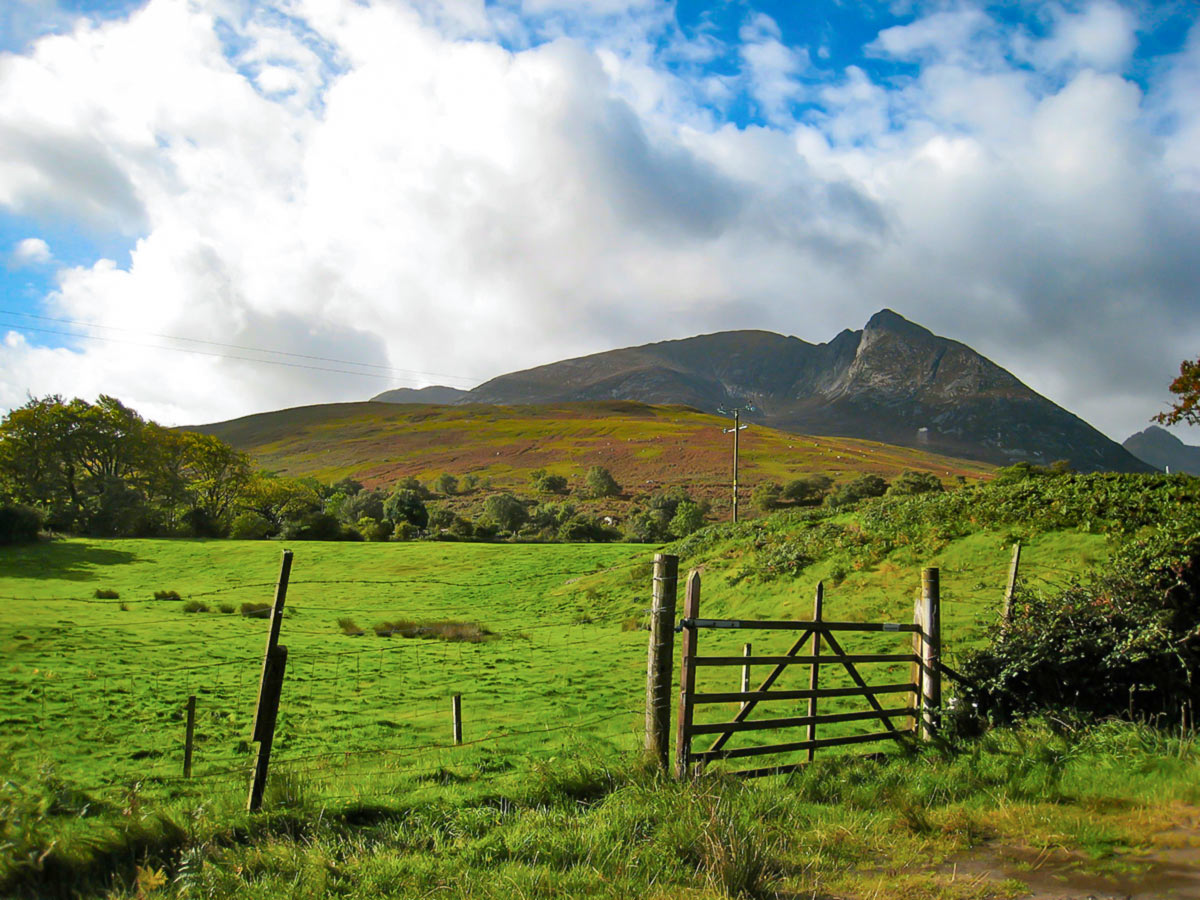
{"x": 737, "y": 426}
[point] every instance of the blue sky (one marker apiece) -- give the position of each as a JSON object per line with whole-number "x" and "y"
{"x": 444, "y": 191}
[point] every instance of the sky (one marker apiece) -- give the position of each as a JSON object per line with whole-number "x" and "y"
{"x": 210, "y": 208}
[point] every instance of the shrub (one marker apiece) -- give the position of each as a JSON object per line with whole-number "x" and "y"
{"x": 545, "y": 483}
{"x": 195, "y": 606}
{"x": 1125, "y": 643}
{"x": 106, "y": 594}
{"x": 256, "y": 610}
{"x": 600, "y": 483}
{"x": 166, "y": 595}
{"x": 909, "y": 482}
{"x": 807, "y": 490}
{"x": 19, "y": 524}
{"x": 226, "y": 608}
{"x": 348, "y": 627}
{"x": 405, "y": 531}
{"x": 446, "y": 484}
{"x": 373, "y": 530}
{"x": 688, "y": 518}
{"x": 766, "y": 496}
{"x": 860, "y": 488}
{"x": 250, "y": 526}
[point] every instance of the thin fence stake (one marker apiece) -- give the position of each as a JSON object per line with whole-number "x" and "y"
{"x": 815, "y": 669}
{"x": 456, "y": 717}
{"x": 659, "y": 657}
{"x": 190, "y": 734}
{"x": 269, "y": 689}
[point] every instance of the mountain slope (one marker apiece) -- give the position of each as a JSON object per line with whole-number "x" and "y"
{"x": 1161, "y": 449}
{"x": 893, "y": 381}
{"x": 646, "y": 447}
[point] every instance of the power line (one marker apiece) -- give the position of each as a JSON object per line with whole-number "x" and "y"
{"x": 269, "y": 362}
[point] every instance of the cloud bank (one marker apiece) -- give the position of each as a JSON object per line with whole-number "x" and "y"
{"x": 444, "y": 192}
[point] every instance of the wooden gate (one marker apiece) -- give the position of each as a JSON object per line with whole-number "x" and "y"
{"x": 919, "y": 697}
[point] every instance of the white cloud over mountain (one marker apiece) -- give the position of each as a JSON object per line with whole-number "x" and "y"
{"x": 455, "y": 190}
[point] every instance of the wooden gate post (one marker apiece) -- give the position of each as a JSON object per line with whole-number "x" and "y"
{"x": 815, "y": 669}
{"x": 187, "y": 741}
{"x": 915, "y": 669}
{"x": 660, "y": 657}
{"x": 456, "y": 718}
{"x": 687, "y": 677}
{"x": 931, "y": 652}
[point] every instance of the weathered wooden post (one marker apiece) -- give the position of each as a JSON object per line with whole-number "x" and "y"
{"x": 815, "y": 669}
{"x": 456, "y": 718}
{"x": 914, "y": 670}
{"x": 187, "y": 741}
{"x": 931, "y": 652}
{"x": 660, "y": 657}
{"x": 687, "y": 676}
{"x": 1013, "y": 570}
{"x": 269, "y": 688}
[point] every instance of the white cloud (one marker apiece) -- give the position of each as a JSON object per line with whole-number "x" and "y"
{"x": 388, "y": 184}
{"x": 1101, "y": 37}
{"x": 31, "y": 251}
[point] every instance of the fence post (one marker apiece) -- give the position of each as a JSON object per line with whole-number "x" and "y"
{"x": 747, "y": 651}
{"x": 687, "y": 677}
{"x": 187, "y": 741}
{"x": 815, "y": 669}
{"x": 1013, "y": 569}
{"x": 270, "y": 687}
{"x": 660, "y": 656}
{"x": 456, "y": 718}
{"x": 931, "y": 652}
{"x": 264, "y": 721}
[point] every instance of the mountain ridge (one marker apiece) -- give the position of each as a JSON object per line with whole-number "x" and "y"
{"x": 893, "y": 381}
{"x": 1161, "y": 449}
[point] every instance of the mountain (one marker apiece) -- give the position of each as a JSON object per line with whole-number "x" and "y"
{"x": 435, "y": 393}
{"x": 1163, "y": 450}
{"x": 894, "y": 381}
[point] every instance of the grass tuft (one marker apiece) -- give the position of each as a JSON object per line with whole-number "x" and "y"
{"x": 466, "y": 632}
{"x": 167, "y": 595}
{"x": 256, "y": 610}
{"x": 107, "y": 594}
{"x": 348, "y": 627}
{"x": 195, "y": 606}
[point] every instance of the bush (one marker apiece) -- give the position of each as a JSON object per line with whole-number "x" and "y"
{"x": 250, "y": 526}
{"x": 909, "y": 482}
{"x": 545, "y": 483}
{"x": 766, "y": 496}
{"x": 226, "y": 608}
{"x": 256, "y": 610}
{"x": 1126, "y": 643}
{"x": 195, "y": 606}
{"x": 19, "y": 524}
{"x": 106, "y": 594}
{"x": 807, "y": 490}
{"x": 446, "y": 484}
{"x": 861, "y": 488}
{"x": 688, "y": 518}
{"x": 166, "y": 595}
{"x": 373, "y": 530}
{"x": 600, "y": 483}
{"x": 405, "y": 531}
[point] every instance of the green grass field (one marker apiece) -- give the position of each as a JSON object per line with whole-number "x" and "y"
{"x": 546, "y": 797}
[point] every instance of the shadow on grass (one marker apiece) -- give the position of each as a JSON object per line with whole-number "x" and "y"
{"x": 70, "y": 561}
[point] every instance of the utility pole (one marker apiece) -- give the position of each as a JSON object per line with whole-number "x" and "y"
{"x": 735, "y": 429}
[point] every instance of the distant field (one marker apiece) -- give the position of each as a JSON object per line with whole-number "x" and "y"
{"x": 98, "y": 692}
{"x": 645, "y": 447}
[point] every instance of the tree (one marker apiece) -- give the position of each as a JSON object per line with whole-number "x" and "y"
{"x": 446, "y": 484}
{"x": 859, "y": 489}
{"x": 1187, "y": 388}
{"x": 688, "y": 518}
{"x": 506, "y": 511}
{"x": 406, "y": 505}
{"x": 600, "y": 483}
{"x": 410, "y": 483}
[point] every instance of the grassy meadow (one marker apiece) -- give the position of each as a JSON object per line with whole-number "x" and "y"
{"x": 548, "y": 796}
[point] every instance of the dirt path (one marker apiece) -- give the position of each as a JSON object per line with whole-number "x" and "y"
{"x": 1168, "y": 870}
